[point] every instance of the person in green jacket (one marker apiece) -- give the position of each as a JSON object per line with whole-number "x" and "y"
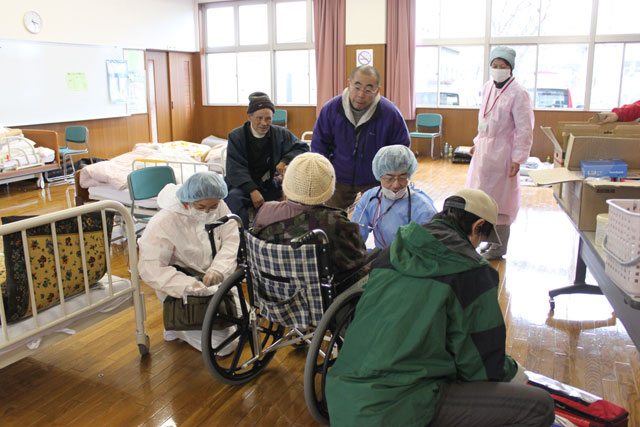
{"x": 427, "y": 343}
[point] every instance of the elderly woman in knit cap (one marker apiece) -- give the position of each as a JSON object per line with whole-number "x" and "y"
{"x": 503, "y": 143}
{"x": 256, "y": 152}
{"x": 383, "y": 209}
{"x": 309, "y": 182}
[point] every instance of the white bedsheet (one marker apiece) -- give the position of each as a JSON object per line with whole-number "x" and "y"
{"x": 114, "y": 172}
{"x": 106, "y": 192}
{"x": 72, "y": 305}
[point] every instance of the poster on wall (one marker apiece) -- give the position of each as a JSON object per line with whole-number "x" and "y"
{"x": 118, "y": 81}
{"x": 137, "y": 95}
{"x": 364, "y": 57}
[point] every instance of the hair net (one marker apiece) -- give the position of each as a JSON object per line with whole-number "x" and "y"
{"x": 505, "y": 53}
{"x": 394, "y": 158}
{"x": 202, "y": 185}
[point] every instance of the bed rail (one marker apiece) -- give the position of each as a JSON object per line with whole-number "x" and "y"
{"x": 133, "y": 289}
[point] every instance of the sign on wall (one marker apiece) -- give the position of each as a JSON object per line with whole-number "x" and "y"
{"x": 364, "y": 57}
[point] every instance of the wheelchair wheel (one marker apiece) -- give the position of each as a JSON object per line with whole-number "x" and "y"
{"x": 327, "y": 341}
{"x": 228, "y": 316}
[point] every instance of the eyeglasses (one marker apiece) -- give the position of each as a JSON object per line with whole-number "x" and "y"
{"x": 390, "y": 179}
{"x": 359, "y": 89}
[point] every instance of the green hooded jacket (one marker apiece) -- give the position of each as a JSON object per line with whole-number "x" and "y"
{"x": 429, "y": 316}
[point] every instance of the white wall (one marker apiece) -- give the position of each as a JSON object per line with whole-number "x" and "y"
{"x": 366, "y": 22}
{"x": 150, "y": 24}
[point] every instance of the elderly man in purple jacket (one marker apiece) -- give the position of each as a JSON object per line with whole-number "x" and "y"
{"x": 351, "y": 128}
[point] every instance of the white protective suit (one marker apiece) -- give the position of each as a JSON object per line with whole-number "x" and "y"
{"x": 507, "y": 138}
{"x": 174, "y": 237}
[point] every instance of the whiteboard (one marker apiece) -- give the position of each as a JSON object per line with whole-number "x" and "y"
{"x": 45, "y": 83}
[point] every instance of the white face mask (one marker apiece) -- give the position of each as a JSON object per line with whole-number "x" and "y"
{"x": 389, "y": 194}
{"x": 202, "y": 216}
{"x": 499, "y": 74}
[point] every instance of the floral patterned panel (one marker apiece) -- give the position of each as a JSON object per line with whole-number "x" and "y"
{"x": 15, "y": 289}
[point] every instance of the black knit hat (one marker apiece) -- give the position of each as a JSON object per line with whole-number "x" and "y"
{"x": 258, "y": 101}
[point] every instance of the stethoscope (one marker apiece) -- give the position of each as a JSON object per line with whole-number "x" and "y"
{"x": 375, "y": 221}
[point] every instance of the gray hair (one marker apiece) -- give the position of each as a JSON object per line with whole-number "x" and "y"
{"x": 367, "y": 70}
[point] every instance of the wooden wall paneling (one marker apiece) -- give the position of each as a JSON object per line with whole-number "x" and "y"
{"x": 181, "y": 96}
{"x": 460, "y": 126}
{"x": 379, "y": 61}
{"x": 107, "y": 137}
{"x": 163, "y": 110}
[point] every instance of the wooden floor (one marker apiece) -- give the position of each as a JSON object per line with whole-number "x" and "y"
{"x": 98, "y": 378}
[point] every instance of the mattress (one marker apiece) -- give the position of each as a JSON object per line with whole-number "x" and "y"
{"x": 43, "y": 155}
{"x": 106, "y": 192}
{"x": 73, "y": 304}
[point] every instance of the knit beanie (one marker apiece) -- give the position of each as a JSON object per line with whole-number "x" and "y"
{"x": 258, "y": 101}
{"x": 505, "y": 53}
{"x": 309, "y": 179}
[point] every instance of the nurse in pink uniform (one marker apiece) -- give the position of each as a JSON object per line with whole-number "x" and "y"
{"x": 503, "y": 143}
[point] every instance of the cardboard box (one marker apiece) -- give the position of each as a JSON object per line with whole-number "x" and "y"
{"x": 583, "y": 199}
{"x": 614, "y": 168}
{"x": 560, "y": 139}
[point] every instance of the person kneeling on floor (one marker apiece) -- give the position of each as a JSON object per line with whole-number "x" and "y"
{"x": 177, "y": 257}
{"x": 427, "y": 343}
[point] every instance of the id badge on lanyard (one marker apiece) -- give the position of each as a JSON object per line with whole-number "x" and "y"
{"x": 483, "y": 125}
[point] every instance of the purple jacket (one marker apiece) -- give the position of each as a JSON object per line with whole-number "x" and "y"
{"x": 351, "y": 150}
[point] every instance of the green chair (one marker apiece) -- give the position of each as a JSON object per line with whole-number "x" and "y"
{"x": 430, "y": 121}
{"x": 76, "y": 140}
{"x": 146, "y": 183}
{"x": 280, "y": 118}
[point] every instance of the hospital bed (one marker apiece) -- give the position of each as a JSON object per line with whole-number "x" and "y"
{"x": 28, "y": 154}
{"x": 108, "y": 180}
{"x": 52, "y": 290}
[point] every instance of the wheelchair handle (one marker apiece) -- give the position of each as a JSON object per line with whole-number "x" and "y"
{"x": 223, "y": 220}
{"x": 301, "y": 240}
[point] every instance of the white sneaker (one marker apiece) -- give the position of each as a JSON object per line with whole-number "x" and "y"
{"x": 217, "y": 337}
{"x": 170, "y": 336}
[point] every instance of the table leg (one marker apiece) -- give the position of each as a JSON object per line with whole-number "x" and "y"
{"x": 579, "y": 286}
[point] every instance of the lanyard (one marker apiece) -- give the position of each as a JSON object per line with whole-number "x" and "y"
{"x": 495, "y": 100}
{"x": 376, "y": 220}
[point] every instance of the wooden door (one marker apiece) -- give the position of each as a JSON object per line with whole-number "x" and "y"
{"x": 158, "y": 99}
{"x": 181, "y": 92}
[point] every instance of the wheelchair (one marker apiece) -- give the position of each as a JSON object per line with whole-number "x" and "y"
{"x": 281, "y": 295}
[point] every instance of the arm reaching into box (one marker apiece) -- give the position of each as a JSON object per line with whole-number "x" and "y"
{"x": 626, "y": 113}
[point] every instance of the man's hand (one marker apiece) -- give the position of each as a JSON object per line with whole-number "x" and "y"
{"x": 514, "y": 169}
{"x": 281, "y": 168}
{"x": 256, "y": 199}
{"x": 607, "y": 118}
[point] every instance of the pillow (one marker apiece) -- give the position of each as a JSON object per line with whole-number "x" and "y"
{"x": 15, "y": 288}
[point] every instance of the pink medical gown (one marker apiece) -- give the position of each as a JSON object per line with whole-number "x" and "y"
{"x": 507, "y": 138}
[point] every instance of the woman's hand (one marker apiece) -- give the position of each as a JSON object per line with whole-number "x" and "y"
{"x": 514, "y": 169}
{"x": 212, "y": 277}
{"x": 473, "y": 149}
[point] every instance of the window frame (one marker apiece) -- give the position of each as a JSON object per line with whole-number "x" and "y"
{"x": 488, "y": 41}
{"x": 271, "y": 46}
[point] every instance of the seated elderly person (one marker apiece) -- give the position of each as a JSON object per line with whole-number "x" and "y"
{"x": 427, "y": 345}
{"x": 177, "y": 257}
{"x": 308, "y": 184}
{"x": 256, "y": 152}
{"x": 382, "y": 210}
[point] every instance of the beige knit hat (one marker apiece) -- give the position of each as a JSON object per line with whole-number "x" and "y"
{"x": 309, "y": 179}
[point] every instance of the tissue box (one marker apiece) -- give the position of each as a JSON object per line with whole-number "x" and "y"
{"x": 615, "y": 168}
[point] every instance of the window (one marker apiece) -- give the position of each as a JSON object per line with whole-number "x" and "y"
{"x": 568, "y": 54}
{"x": 262, "y": 46}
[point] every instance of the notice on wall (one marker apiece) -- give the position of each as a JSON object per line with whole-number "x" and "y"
{"x": 364, "y": 57}
{"x": 118, "y": 80}
{"x": 137, "y": 96}
{"x": 77, "y": 82}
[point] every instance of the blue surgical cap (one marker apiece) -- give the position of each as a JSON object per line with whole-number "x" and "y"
{"x": 202, "y": 185}
{"x": 394, "y": 158}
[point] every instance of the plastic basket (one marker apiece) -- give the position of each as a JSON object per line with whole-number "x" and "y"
{"x": 622, "y": 245}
